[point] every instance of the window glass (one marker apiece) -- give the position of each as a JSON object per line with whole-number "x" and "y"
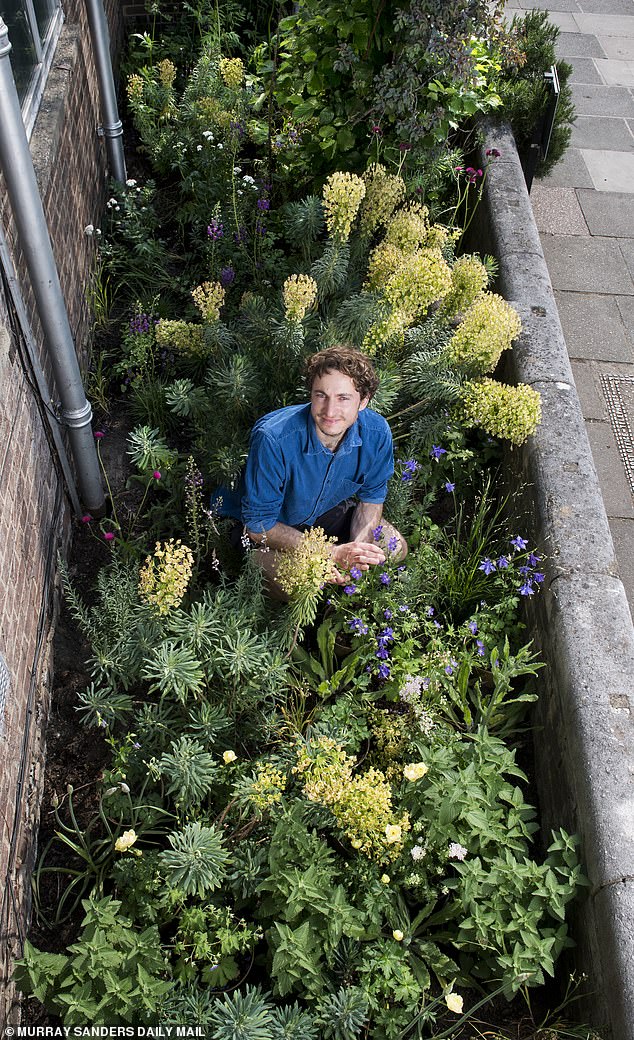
{"x": 23, "y": 53}
{"x": 33, "y": 27}
{"x": 44, "y": 11}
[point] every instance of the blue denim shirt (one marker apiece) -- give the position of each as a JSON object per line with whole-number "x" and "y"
{"x": 292, "y": 478}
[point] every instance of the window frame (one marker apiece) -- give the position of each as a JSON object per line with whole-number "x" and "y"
{"x": 44, "y": 51}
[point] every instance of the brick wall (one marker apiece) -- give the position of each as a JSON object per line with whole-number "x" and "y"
{"x": 35, "y": 519}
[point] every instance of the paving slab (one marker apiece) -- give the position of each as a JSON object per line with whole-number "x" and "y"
{"x": 584, "y": 70}
{"x": 571, "y": 171}
{"x": 587, "y": 375}
{"x": 623, "y": 537}
{"x": 615, "y": 489}
{"x": 615, "y": 73}
{"x": 598, "y": 99}
{"x": 557, "y": 210}
{"x": 626, "y": 246}
{"x": 625, "y": 305}
{"x": 609, "y": 213}
{"x": 609, "y": 170}
{"x": 619, "y": 47}
{"x": 577, "y": 45}
{"x": 603, "y": 132}
{"x": 593, "y": 327}
{"x": 601, "y": 25}
{"x": 606, "y": 7}
{"x": 590, "y": 265}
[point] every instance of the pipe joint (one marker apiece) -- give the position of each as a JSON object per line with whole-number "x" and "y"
{"x": 110, "y": 130}
{"x": 76, "y": 418}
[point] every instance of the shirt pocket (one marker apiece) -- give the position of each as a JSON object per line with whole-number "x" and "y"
{"x": 348, "y": 488}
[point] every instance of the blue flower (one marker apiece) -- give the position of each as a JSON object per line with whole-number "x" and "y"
{"x": 382, "y": 653}
{"x": 403, "y": 608}
{"x": 437, "y": 452}
{"x": 410, "y": 466}
{"x": 392, "y": 544}
{"x": 385, "y": 578}
{"x": 524, "y": 570}
{"x": 519, "y": 542}
{"x": 406, "y": 477}
{"x": 350, "y": 590}
{"x": 430, "y": 612}
{"x": 387, "y": 614}
{"x": 384, "y": 671}
{"x": 355, "y": 572}
{"x": 448, "y": 670}
{"x": 449, "y": 486}
{"x": 376, "y": 534}
{"x": 473, "y": 627}
{"x": 527, "y": 589}
{"x": 533, "y": 559}
{"x": 387, "y": 633}
{"x": 538, "y": 577}
{"x": 487, "y": 566}
{"x": 503, "y": 563}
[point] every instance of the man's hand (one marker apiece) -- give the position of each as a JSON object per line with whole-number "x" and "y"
{"x": 355, "y": 554}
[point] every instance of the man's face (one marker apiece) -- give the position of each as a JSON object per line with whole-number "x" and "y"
{"x": 334, "y": 405}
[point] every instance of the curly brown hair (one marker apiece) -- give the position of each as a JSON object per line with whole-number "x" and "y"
{"x": 347, "y": 360}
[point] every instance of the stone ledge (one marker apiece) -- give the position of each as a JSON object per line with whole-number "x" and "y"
{"x": 585, "y": 752}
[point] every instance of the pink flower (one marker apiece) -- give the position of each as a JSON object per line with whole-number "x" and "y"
{"x": 99, "y": 434}
{"x": 86, "y": 519}
{"x": 157, "y": 474}
{"x": 109, "y": 536}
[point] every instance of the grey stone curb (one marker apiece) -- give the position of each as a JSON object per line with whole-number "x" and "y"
{"x": 584, "y": 726}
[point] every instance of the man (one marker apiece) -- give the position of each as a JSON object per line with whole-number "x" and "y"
{"x": 322, "y": 464}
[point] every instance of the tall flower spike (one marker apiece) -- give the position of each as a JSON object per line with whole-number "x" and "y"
{"x": 342, "y": 196}
{"x": 300, "y": 293}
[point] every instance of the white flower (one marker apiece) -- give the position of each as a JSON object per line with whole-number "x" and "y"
{"x": 199, "y": 148}
{"x": 219, "y": 147}
{"x": 392, "y": 833}
{"x": 247, "y": 179}
{"x": 398, "y": 935}
{"x": 415, "y": 770}
{"x": 385, "y": 879}
{"x": 111, "y": 202}
{"x": 89, "y": 229}
{"x": 454, "y": 1002}
{"x": 207, "y": 134}
{"x": 127, "y": 839}
{"x": 457, "y": 851}
{"x": 418, "y": 852}
{"x": 237, "y": 169}
{"x": 131, "y": 183}
{"x": 228, "y": 756}
{"x": 97, "y": 231}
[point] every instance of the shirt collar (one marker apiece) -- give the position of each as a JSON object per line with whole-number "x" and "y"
{"x": 352, "y": 439}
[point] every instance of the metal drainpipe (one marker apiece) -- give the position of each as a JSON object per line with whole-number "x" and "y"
{"x": 26, "y": 205}
{"x": 112, "y": 127}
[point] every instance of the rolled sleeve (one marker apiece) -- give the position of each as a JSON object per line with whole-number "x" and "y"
{"x": 381, "y": 468}
{"x": 264, "y": 483}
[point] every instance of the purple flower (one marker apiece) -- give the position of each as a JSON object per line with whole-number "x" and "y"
{"x": 533, "y": 559}
{"x": 406, "y": 477}
{"x": 376, "y": 129}
{"x": 215, "y": 230}
{"x": 493, "y": 153}
{"x": 355, "y": 572}
{"x": 538, "y": 577}
{"x": 503, "y": 563}
{"x": 403, "y": 608}
{"x": 136, "y": 745}
{"x": 376, "y": 534}
{"x": 384, "y": 671}
{"x": 382, "y": 653}
{"x": 350, "y": 590}
{"x": 387, "y": 614}
{"x": 86, "y": 518}
{"x": 437, "y": 452}
{"x": 473, "y": 627}
{"x": 449, "y": 486}
{"x": 99, "y": 434}
{"x": 263, "y": 204}
{"x": 410, "y": 465}
{"x": 385, "y": 579}
{"x": 392, "y": 544}
{"x": 109, "y": 536}
{"x": 448, "y": 670}
{"x": 527, "y": 589}
{"x": 487, "y": 566}
{"x": 430, "y": 612}
{"x": 518, "y": 542}
{"x": 387, "y": 633}
{"x": 480, "y": 646}
{"x": 227, "y": 276}
{"x": 157, "y": 474}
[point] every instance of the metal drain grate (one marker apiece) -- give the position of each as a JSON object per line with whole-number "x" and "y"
{"x": 619, "y": 397}
{"x": 5, "y": 682}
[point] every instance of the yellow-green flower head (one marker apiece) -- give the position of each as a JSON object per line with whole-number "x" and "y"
{"x": 489, "y": 327}
{"x": 469, "y": 279}
{"x": 422, "y": 278}
{"x": 436, "y": 237}
{"x": 183, "y": 336}
{"x": 389, "y": 331}
{"x": 209, "y": 298}
{"x": 299, "y": 292}
{"x": 384, "y": 260}
{"x": 409, "y": 227}
{"x": 307, "y": 566}
{"x": 267, "y": 787}
{"x": 232, "y": 72}
{"x": 167, "y": 72}
{"x": 164, "y": 579}
{"x": 125, "y": 841}
{"x": 342, "y": 196}
{"x": 135, "y": 88}
{"x": 383, "y": 193}
{"x": 510, "y": 412}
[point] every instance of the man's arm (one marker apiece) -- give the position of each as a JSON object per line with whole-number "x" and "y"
{"x": 280, "y": 536}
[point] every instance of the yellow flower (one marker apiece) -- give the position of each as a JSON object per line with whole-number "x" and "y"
{"x": 307, "y": 566}
{"x": 488, "y": 327}
{"x": 164, "y": 579}
{"x": 184, "y": 336}
{"x": 229, "y": 756}
{"x": 385, "y": 879}
{"x": 398, "y": 935}
{"x": 125, "y": 842}
{"x": 415, "y": 770}
{"x": 299, "y": 292}
{"x": 393, "y": 833}
{"x": 209, "y": 298}
{"x": 510, "y": 412}
{"x": 356, "y": 843}
{"x": 383, "y": 193}
{"x": 232, "y": 72}
{"x": 167, "y": 72}
{"x": 342, "y": 195}
{"x": 454, "y": 1002}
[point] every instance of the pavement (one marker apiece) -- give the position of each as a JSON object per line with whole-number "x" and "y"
{"x": 584, "y": 212}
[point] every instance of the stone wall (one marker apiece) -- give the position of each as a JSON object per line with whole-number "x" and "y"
{"x": 35, "y": 516}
